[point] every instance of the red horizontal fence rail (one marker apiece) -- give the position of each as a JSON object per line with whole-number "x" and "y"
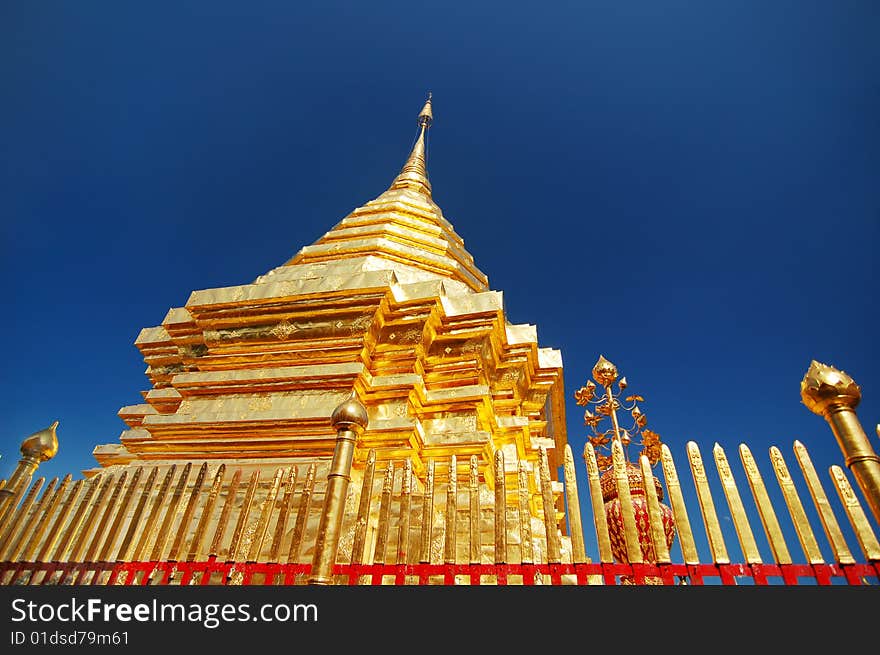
{"x": 222, "y": 572}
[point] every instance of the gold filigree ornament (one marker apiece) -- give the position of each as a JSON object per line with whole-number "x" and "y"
{"x": 606, "y": 406}
{"x": 640, "y": 527}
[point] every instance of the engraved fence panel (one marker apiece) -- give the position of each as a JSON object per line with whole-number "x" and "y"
{"x": 449, "y": 521}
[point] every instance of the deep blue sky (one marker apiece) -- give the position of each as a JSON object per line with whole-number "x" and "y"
{"x": 690, "y": 189}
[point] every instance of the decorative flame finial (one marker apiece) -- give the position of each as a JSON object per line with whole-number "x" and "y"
{"x": 824, "y": 386}
{"x": 414, "y": 174}
{"x": 42, "y": 445}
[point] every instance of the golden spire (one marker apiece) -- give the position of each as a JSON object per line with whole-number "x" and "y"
{"x": 414, "y": 174}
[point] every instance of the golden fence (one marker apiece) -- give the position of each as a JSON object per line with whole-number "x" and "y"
{"x": 454, "y": 525}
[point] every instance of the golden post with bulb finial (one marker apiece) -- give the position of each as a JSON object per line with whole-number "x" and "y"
{"x": 834, "y": 395}
{"x": 349, "y": 419}
{"x": 39, "y": 447}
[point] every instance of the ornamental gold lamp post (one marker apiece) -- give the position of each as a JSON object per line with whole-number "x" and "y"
{"x": 349, "y": 419}
{"x": 37, "y": 448}
{"x": 834, "y": 395}
{"x": 605, "y": 406}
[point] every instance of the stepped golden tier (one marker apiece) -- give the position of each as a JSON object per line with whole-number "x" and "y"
{"x": 388, "y": 303}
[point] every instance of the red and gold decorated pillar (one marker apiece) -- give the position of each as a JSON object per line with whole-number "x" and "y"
{"x": 627, "y": 501}
{"x": 639, "y": 502}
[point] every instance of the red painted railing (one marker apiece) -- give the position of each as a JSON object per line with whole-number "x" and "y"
{"x": 212, "y": 571}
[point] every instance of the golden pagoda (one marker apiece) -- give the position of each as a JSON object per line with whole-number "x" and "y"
{"x": 364, "y": 413}
{"x": 387, "y": 305}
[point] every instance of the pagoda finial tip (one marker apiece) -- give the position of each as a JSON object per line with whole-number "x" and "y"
{"x": 426, "y": 116}
{"x": 414, "y": 174}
